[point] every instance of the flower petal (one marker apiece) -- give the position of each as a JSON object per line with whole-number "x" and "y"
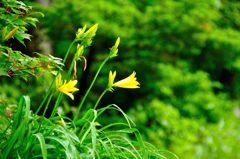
{"x": 69, "y": 88}
{"x": 128, "y": 82}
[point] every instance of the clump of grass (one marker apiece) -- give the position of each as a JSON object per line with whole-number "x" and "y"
{"x": 33, "y": 136}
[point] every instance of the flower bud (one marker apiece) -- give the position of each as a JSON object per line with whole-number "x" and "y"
{"x": 114, "y": 49}
{"x": 11, "y": 33}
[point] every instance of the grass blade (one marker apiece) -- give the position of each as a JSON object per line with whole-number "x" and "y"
{"x": 42, "y": 144}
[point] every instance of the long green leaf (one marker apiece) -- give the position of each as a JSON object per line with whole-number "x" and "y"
{"x": 42, "y": 144}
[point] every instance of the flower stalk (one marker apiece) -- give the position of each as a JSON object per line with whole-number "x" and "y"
{"x": 51, "y": 85}
{"x": 90, "y": 87}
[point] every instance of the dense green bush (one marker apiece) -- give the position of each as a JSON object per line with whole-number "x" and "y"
{"x": 193, "y": 36}
{"x": 187, "y": 137}
{"x": 185, "y": 115}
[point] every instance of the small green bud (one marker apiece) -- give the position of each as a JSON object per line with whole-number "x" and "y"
{"x": 117, "y": 43}
{"x": 114, "y": 49}
{"x": 92, "y": 30}
{"x": 80, "y": 50}
{"x": 85, "y": 37}
{"x": 11, "y": 33}
{"x": 80, "y": 32}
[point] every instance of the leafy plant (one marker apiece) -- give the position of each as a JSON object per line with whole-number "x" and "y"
{"x": 15, "y": 17}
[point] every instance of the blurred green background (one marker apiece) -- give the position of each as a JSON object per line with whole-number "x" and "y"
{"x": 187, "y": 57}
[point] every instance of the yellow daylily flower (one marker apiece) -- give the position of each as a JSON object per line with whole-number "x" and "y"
{"x": 129, "y": 82}
{"x": 67, "y": 88}
{"x": 111, "y": 78}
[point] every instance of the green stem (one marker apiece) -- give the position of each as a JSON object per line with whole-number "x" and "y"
{"x": 68, "y": 51}
{"x": 59, "y": 98}
{"x": 90, "y": 87}
{"x": 50, "y": 87}
{"x": 70, "y": 70}
{"x": 45, "y": 98}
{"x": 100, "y": 97}
{"x": 46, "y": 107}
{"x": 45, "y": 110}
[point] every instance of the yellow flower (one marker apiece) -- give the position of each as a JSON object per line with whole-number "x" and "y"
{"x": 129, "y": 82}
{"x": 67, "y": 88}
{"x": 111, "y": 78}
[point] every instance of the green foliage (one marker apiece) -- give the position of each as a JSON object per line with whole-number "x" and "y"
{"x": 14, "y": 20}
{"x": 195, "y": 33}
{"x": 186, "y": 113}
{"x": 15, "y": 17}
{"x": 17, "y": 64}
{"x": 188, "y": 56}
{"x": 28, "y": 134}
{"x": 186, "y": 136}
{"x": 192, "y": 93}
